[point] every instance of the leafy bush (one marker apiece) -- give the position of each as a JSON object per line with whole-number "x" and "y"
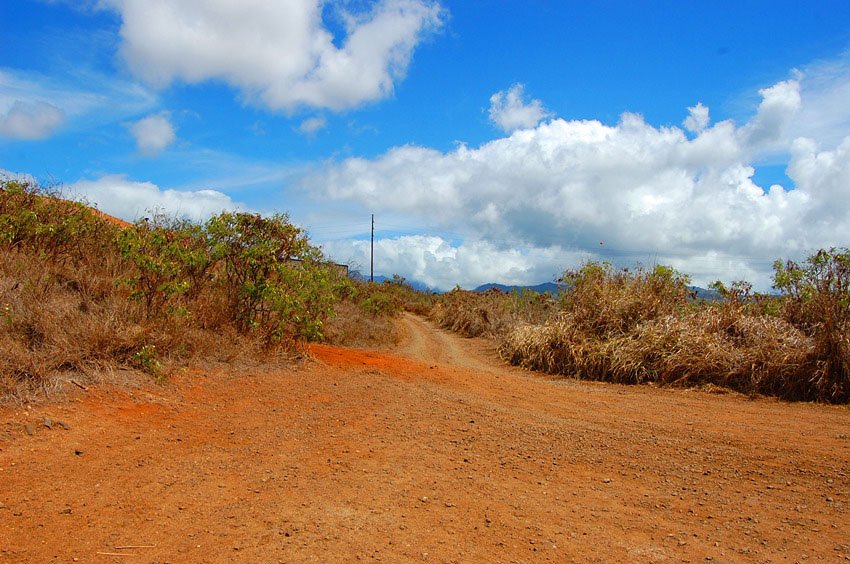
{"x": 817, "y": 300}
{"x": 274, "y": 280}
{"x": 171, "y": 259}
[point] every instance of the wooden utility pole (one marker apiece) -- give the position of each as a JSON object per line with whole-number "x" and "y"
{"x": 372, "y": 253}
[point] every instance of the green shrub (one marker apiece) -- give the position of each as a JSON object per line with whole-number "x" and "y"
{"x": 169, "y": 257}
{"x": 817, "y": 299}
{"x": 274, "y": 280}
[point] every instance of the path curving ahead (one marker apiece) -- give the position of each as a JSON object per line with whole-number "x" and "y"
{"x": 426, "y": 343}
{"x": 434, "y": 451}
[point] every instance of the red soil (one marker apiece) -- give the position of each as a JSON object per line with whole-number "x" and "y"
{"x": 431, "y": 452}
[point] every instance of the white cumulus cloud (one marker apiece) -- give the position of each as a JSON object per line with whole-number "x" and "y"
{"x": 130, "y": 200}
{"x": 153, "y": 133}
{"x": 509, "y": 111}
{"x": 697, "y": 119}
{"x": 278, "y": 53}
{"x": 442, "y": 265}
{"x": 30, "y": 120}
{"x": 769, "y": 128}
{"x": 626, "y": 192}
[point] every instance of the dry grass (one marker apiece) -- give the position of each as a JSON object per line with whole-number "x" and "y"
{"x": 492, "y": 313}
{"x": 57, "y": 320}
{"x": 638, "y": 328}
{"x": 351, "y": 327}
{"x": 750, "y": 354}
{"x": 365, "y": 317}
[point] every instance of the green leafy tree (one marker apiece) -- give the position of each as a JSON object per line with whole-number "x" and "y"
{"x": 817, "y": 295}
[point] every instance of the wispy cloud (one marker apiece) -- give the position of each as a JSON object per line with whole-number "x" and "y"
{"x": 312, "y": 125}
{"x": 824, "y": 113}
{"x": 85, "y": 96}
{"x": 30, "y": 120}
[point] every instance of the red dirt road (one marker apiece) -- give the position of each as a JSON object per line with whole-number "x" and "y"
{"x": 431, "y": 452}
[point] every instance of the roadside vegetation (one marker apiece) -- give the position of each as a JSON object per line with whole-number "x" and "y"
{"x": 645, "y": 326}
{"x": 492, "y": 313}
{"x": 83, "y": 294}
{"x": 365, "y": 314}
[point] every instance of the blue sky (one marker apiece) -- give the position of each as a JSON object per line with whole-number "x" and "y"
{"x": 494, "y": 141}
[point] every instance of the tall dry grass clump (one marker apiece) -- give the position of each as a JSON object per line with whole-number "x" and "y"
{"x": 641, "y": 327}
{"x": 492, "y": 313}
{"x": 600, "y": 305}
{"x": 817, "y": 300}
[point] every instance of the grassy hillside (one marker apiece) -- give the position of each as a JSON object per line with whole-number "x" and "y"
{"x": 82, "y": 293}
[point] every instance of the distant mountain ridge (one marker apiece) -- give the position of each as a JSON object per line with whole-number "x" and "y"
{"x": 545, "y": 288}
{"x": 553, "y": 288}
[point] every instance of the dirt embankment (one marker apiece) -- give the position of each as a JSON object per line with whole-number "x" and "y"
{"x": 430, "y": 452}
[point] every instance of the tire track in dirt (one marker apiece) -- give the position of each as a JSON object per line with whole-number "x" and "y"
{"x": 425, "y": 343}
{"x": 432, "y": 452}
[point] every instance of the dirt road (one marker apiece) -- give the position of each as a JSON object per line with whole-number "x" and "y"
{"x": 432, "y": 452}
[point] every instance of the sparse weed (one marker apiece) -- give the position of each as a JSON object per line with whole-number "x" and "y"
{"x": 145, "y": 359}
{"x": 366, "y": 312}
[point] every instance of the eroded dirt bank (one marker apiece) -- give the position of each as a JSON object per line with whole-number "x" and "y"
{"x": 431, "y": 452}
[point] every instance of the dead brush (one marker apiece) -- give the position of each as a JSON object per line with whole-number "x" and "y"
{"x": 759, "y": 355}
{"x": 600, "y": 304}
{"x": 557, "y": 347}
{"x": 492, "y": 313}
{"x": 753, "y": 354}
{"x": 55, "y": 319}
{"x": 604, "y": 301}
{"x": 817, "y": 300}
{"x": 639, "y": 328}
